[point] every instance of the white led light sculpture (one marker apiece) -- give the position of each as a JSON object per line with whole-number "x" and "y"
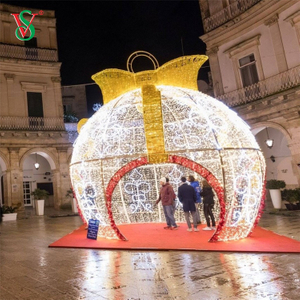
{"x": 115, "y": 183}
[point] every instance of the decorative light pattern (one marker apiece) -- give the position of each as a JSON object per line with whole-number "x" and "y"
{"x": 116, "y": 180}
{"x": 96, "y": 106}
{"x": 138, "y": 189}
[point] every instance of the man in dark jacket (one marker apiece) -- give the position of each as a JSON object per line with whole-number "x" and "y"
{"x": 167, "y": 197}
{"x": 187, "y": 196}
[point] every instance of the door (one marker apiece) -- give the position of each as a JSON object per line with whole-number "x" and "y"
{"x": 27, "y": 193}
{"x": 249, "y": 76}
{"x": 31, "y": 49}
{"x": 35, "y": 109}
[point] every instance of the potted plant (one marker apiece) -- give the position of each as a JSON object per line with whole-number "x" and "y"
{"x": 70, "y": 117}
{"x": 9, "y": 213}
{"x": 39, "y": 197}
{"x": 292, "y": 196}
{"x": 298, "y": 197}
{"x": 274, "y": 187}
{"x": 70, "y": 194}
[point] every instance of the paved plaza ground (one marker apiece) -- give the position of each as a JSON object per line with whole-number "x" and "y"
{"x": 30, "y": 270}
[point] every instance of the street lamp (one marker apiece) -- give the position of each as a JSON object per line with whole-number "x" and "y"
{"x": 269, "y": 141}
{"x": 36, "y": 165}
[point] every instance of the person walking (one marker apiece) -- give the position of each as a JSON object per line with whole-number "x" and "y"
{"x": 174, "y": 202}
{"x": 195, "y": 184}
{"x": 167, "y": 197}
{"x": 187, "y": 196}
{"x": 208, "y": 204}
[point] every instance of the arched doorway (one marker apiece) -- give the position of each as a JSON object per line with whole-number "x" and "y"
{"x": 175, "y": 169}
{"x": 278, "y": 157}
{"x": 38, "y": 169}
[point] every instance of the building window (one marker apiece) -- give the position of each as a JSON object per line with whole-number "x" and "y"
{"x": 27, "y": 193}
{"x": 67, "y": 108}
{"x": 248, "y": 70}
{"x": 35, "y": 109}
{"x": 31, "y": 49}
{"x": 32, "y": 43}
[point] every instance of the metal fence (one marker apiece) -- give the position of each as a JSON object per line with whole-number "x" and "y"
{"x": 264, "y": 88}
{"x": 31, "y": 123}
{"x": 228, "y": 13}
{"x": 20, "y": 52}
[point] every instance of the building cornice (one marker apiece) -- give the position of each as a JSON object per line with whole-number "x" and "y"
{"x": 9, "y": 76}
{"x": 254, "y": 41}
{"x": 23, "y": 62}
{"x": 56, "y": 79}
{"x": 272, "y": 20}
{"x": 37, "y": 86}
{"x": 247, "y": 21}
{"x": 9, "y": 9}
{"x": 212, "y": 51}
{"x": 294, "y": 18}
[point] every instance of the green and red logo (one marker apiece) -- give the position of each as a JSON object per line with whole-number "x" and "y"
{"x": 23, "y": 29}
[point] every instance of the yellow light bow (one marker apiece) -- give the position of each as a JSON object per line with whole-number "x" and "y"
{"x": 180, "y": 72}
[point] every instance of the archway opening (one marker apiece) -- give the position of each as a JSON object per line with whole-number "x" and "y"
{"x": 135, "y": 175}
{"x": 278, "y": 157}
{"x": 37, "y": 173}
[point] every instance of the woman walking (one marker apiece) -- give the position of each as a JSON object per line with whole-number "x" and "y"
{"x": 208, "y": 204}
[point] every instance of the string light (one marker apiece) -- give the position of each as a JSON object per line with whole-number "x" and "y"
{"x": 115, "y": 169}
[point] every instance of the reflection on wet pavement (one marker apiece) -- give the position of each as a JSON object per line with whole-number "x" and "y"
{"x": 31, "y": 270}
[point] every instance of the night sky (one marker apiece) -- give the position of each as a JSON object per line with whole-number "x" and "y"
{"x": 96, "y": 35}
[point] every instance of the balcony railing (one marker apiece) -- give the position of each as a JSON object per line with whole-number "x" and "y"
{"x": 264, "y": 88}
{"x": 31, "y": 123}
{"x": 228, "y": 13}
{"x": 20, "y": 52}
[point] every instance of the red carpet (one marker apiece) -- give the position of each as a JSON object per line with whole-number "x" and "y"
{"x": 154, "y": 237}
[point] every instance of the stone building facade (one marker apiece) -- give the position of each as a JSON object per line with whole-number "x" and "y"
{"x": 254, "y": 54}
{"x": 31, "y": 112}
{"x": 74, "y": 100}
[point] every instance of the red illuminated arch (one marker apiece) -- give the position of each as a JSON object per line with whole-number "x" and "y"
{"x": 185, "y": 162}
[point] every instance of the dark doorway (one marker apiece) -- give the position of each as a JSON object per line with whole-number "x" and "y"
{"x": 35, "y": 109}
{"x": 35, "y": 104}
{"x": 48, "y": 186}
{"x": 2, "y": 191}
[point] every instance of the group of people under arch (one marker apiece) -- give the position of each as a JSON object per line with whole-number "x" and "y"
{"x": 191, "y": 195}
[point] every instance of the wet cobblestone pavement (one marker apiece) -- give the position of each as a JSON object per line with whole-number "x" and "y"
{"x": 30, "y": 270}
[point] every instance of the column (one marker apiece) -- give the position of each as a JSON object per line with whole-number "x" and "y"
{"x": 5, "y": 107}
{"x": 58, "y": 100}
{"x": 6, "y": 186}
{"x": 56, "y": 189}
{"x": 277, "y": 43}
{"x": 63, "y": 176}
{"x": 215, "y": 71}
{"x": 294, "y": 19}
{"x": 52, "y": 37}
{"x": 204, "y": 8}
{"x": 16, "y": 179}
{"x": 294, "y": 146}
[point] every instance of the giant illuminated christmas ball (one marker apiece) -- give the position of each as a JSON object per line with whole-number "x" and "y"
{"x": 155, "y": 123}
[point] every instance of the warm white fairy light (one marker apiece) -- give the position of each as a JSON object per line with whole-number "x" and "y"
{"x": 197, "y": 127}
{"x": 138, "y": 189}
